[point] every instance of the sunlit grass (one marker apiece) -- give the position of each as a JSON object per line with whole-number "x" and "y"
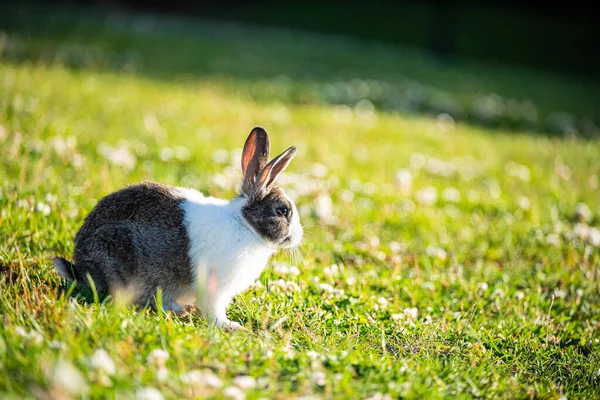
{"x": 440, "y": 259}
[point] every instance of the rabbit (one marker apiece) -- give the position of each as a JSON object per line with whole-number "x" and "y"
{"x": 150, "y": 235}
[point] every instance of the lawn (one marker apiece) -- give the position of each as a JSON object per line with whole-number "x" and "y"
{"x": 452, "y": 247}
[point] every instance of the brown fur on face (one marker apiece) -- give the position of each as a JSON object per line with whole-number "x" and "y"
{"x": 261, "y": 214}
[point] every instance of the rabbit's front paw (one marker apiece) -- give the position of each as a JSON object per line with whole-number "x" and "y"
{"x": 230, "y": 326}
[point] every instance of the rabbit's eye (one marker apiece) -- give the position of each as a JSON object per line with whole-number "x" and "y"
{"x": 283, "y": 211}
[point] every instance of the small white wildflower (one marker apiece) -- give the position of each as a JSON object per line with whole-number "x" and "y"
{"x": 583, "y": 212}
{"x": 313, "y": 355}
{"x": 382, "y": 301}
{"x": 379, "y": 396}
{"x": 397, "y": 317}
{"x": 281, "y": 269}
{"x": 234, "y": 392}
{"x": 593, "y": 237}
{"x": 524, "y": 202}
{"x": 559, "y": 293}
{"x": 120, "y": 156}
{"x": 166, "y": 154}
{"x": 347, "y": 196}
{"x": 244, "y": 382}
{"x": 482, "y": 286}
{"x": 499, "y": 293}
{"x": 158, "y": 357}
{"x": 436, "y": 252}
{"x": 404, "y": 180}
{"x": 294, "y": 271}
{"x": 351, "y": 280}
{"x": 162, "y": 374}
{"x": 101, "y": 361}
{"x": 324, "y": 207}
{"x": 220, "y": 156}
{"x": 417, "y": 160}
{"x": 67, "y": 378}
{"x": 148, "y": 393}
{"x": 57, "y": 344}
{"x": 51, "y": 198}
{"x": 326, "y": 287}
{"x": 579, "y": 292}
{"x": 319, "y": 378}
{"x": 318, "y": 170}
{"x": 331, "y": 270}
{"x": 553, "y": 239}
{"x": 43, "y": 208}
{"x": 519, "y": 295}
{"x": 427, "y": 196}
{"x": 428, "y": 286}
{"x": 451, "y": 195}
{"x": 395, "y": 247}
{"x": 182, "y": 153}
{"x": 197, "y": 378}
{"x": 411, "y": 313}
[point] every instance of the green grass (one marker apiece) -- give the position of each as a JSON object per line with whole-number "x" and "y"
{"x": 504, "y": 276}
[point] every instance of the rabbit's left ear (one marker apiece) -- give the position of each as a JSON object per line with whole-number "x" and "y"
{"x": 254, "y": 157}
{"x": 269, "y": 174}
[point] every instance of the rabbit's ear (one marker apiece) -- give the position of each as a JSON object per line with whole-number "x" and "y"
{"x": 269, "y": 174}
{"x": 254, "y": 157}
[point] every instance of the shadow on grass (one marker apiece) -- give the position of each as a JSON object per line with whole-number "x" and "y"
{"x": 298, "y": 68}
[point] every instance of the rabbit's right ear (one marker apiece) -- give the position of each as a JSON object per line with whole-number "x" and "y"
{"x": 254, "y": 157}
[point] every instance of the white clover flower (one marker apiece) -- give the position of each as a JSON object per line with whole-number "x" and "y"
{"x": 499, "y": 293}
{"x": 234, "y": 393}
{"x": 294, "y": 270}
{"x": 451, "y": 195}
{"x": 326, "y": 287}
{"x": 519, "y": 295}
{"x": 382, "y": 301}
{"x": 559, "y": 293}
{"x": 524, "y": 202}
{"x": 379, "y": 396}
{"x": 158, "y": 357}
{"x": 412, "y": 313}
{"x": 67, "y": 378}
{"x": 351, "y": 280}
{"x": 43, "y": 208}
{"x": 162, "y": 374}
{"x": 120, "y": 156}
{"x": 397, "y": 317}
{"x": 583, "y": 212}
{"x": 427, "y": 196}
{"x": 319, "y": 378}
{"x": 404, "y": 180}
{"x": 553, "y": 239}
{"x": 318, "y": 170}
{"x": 244, "y": 382}
{"x": 148, "y": 393}
{"x": 57, "y": 344}
{"x": 428, "y": 286}
{"x": 101, "y": 361}
{"x": 482, "y": 286}
{"x": 324, "y": 207}
{"x": 395, "y": 247}
{"x": 593, "y": 237}
{"x": 196, "y": 378}
{"x": 436, "y": 252}
{"x": 220, "y": 156}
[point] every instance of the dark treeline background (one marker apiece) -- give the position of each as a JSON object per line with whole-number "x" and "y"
{"x": 561, "y": 37}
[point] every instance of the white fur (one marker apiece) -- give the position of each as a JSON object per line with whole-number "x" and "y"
{"x": 227, "y": 254}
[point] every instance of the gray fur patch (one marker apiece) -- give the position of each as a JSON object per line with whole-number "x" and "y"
{"x": 135, "y": 237}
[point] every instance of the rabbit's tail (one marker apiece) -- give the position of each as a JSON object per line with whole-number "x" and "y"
{"x": 65, "y": 268}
